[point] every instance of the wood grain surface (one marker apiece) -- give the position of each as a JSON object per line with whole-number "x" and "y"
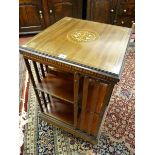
{"x": 106, "y": 52}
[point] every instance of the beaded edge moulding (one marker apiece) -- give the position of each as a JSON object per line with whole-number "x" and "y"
{"x": 82, "y": 36}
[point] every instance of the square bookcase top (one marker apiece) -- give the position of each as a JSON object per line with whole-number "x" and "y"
{"x": 94, "y": 45}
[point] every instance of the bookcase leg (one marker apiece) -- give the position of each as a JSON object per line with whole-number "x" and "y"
{"x": 76, "y": 92}
{"x": 33, "y": 83}
{"x": 84, "y": 100}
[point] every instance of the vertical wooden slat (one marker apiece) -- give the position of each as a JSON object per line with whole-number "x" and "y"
{"x": 33, "y": 83}
{"x": 48, "y": 97}
{"x": 46, "y": 68}
{"x": 42, "y": 70}
{"x": 36, "y": 71}
{"x": 48, "y": 103}
{"x": 105, "y": 104}
{"x": 76, "y": 90}
{"x": 93, "y": 106}
{"x": 44, "y": 99}
{"x": 39, "y": 80}
{"x": 84, "y": 100}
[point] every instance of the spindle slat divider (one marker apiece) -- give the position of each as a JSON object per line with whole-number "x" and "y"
{"x": 76, "y": 93}
{"x": 33, "y": 83}
{"x": 84, "y": 100}
{"x": 93, "y": 106}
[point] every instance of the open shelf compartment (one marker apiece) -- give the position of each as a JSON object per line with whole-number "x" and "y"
{"x": 58, "y": 87}
{"x": 61, "y": 110}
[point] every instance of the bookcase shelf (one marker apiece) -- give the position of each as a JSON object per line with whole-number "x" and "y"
{"x": 58, "y": 87}
{"x": 62, "y": 111}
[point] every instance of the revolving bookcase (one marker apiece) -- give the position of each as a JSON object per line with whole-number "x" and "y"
{"x": 74, "y": 65}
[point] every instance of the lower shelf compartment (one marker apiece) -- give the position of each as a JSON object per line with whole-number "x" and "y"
{"x": 64, "y": 112}
{"x": 61, "y": 110}
{"x": 69, "y": 128}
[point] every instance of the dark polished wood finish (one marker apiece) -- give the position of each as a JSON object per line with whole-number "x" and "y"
{"x": 98, "y": 10}
{"x": 31, "y": 16}
{"x": 36, "y": 15}
{"x": 73, "y": 78}
{"x": 117, "y": 12}
{"x": 62, "y": 8}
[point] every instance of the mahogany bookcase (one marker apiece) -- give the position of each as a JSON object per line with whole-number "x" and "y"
{"x": 74, "y": 65}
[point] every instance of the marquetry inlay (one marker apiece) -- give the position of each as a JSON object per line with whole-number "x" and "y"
{"x": 80, "y": 36}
